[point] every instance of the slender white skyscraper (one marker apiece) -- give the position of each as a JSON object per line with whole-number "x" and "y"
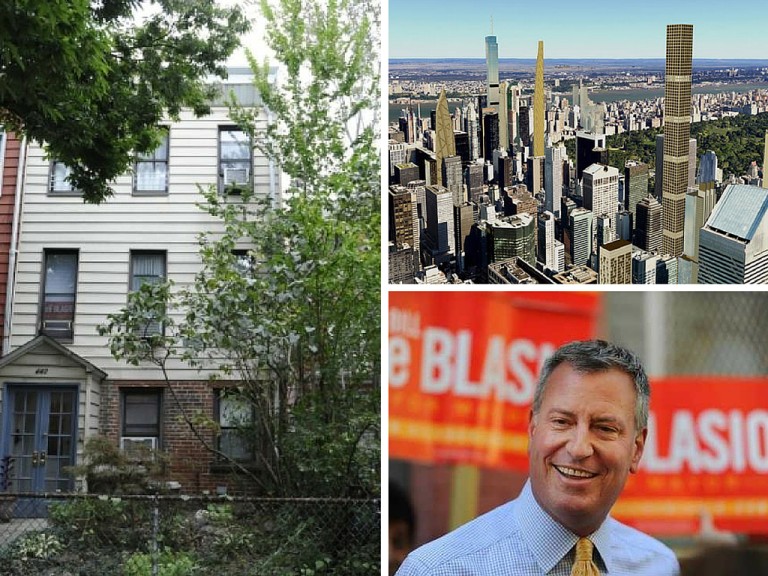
{"x": 707, "y": 168}
{"x": 553, "y": 178}
{"x": 470, "y": 123}
{"x": 503, "y": 117}
{"x": 492, "y": 64}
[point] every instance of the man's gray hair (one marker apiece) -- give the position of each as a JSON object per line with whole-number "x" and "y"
{"x": 592, "y": 356}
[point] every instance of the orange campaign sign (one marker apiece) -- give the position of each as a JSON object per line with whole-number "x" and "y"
{"x": 462, "y": 372}
{"x": 707, "y": 450}
{"x": 463, "y": 368}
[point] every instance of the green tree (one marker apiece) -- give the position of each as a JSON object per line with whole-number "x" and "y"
{"x": 297, "y": 325}
{"x": 92, "y": 79}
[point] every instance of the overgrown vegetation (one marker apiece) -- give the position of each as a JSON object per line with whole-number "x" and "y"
{"x": 296, "y": 329}
{"x": 737, "y": 141}
{"x": 93, "y": 80}
{"x": 127, "y": 536}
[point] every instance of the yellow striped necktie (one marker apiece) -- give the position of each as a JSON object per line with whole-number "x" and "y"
{"x": 584, "y": 565}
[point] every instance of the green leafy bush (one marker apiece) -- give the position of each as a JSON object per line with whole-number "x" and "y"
{"x": 169, "y": 564}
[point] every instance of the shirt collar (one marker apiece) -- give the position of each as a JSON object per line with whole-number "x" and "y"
{"x": 548, "y": 540}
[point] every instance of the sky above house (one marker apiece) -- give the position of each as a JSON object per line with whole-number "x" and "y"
{"x": 593, "y": 29}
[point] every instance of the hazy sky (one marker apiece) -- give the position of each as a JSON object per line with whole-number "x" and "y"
{"x": 590, "y": 29}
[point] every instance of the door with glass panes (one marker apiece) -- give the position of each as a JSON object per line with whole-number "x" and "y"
{"x": 40, "y": 435}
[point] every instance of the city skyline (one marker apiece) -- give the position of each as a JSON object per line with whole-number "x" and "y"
{"x": 451, "y": 29}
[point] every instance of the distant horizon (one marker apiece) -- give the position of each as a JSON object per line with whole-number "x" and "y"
{"x": 434, "y": 29}
{"x": 574, "y": 58}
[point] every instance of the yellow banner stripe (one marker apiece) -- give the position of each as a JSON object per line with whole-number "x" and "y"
{"x": 458, "y": 436}
{"x": 685, "y": 507}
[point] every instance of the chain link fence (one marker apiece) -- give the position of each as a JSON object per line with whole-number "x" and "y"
{"x": 88, "y": 535}
{"x": 691, "y": 333}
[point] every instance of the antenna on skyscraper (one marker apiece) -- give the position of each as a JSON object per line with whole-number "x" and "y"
{"x": 491, "y": 25}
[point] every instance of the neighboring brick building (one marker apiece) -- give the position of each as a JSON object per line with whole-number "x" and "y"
{"x": 10, "y": 148}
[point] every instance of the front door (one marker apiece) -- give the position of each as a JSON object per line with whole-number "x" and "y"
{"x": 41, "y": 439}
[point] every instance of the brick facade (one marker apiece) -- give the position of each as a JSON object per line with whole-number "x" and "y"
{"x": 10, "y": 169}
{"x": 190, "y": 463}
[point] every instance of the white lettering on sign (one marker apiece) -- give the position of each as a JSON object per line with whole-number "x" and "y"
{"x": 399, "y": 361}
{"x": 404, "y": 322}
{"x": 713, "y": 441}
{"x": 508, "y": 369}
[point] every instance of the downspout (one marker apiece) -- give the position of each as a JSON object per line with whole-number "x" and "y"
{"x": 273, "y": 178}
{"x": 12, "y": 252}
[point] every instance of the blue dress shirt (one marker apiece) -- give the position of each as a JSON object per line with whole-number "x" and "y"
{"x": 519, "y": 537}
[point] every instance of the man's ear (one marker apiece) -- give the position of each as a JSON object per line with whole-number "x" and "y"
{"x": 638, "y": 447}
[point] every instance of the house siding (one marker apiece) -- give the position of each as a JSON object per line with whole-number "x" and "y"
{"x": 105, "y": 235}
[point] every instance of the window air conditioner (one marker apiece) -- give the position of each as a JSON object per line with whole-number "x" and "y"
{"x": 234, "y": 176}
{"x": 138, "y": 448}
{"x": 57, "y": 325}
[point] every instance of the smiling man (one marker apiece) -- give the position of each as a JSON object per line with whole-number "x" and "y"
{"x": 587, "y": 430}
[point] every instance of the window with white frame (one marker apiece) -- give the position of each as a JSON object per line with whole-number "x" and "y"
{"x": 245, "y": 263}
{"x": 235, "y": 416}
{"x": 57, "y": 313}
{"x": 151, "y": 169}
{"x": 59, "y": 183}
{"x": 235, "y": 160}
{"x": 148, "y": 268}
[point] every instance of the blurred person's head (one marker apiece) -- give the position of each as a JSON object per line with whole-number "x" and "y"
{"x": 402, "y": 526}
{"x": 587, "y": 430}
{"x": 733, "y": 560}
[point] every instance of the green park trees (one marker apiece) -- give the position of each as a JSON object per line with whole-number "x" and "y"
{"x": 295, "y": 323}
{"x": 92, "y": 79}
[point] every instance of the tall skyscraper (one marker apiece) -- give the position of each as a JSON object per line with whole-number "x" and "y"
{"x": 461, "y": 139}
{"x": 635, "y": 185}
{"x": 538, "y": 104}
{"x": 580, "y": 229}
{"x": 765, "y": 162}
{"x": 503, "y": 117}
{"x": 699, "y": 203}
{"x": 535, "y": 174}
{"x": 440, "y": 224}
{"x": 492, "y": 70}
{"x": 490, "y": 135}
{"x": 463, "y": 217}
{"x": 513, "y": 104}
{"x": 590, "y": 149}
{"x": 677, "y": 135}
{"x": 659, "y": 166}
{"x": 545, "y": 244}
{"x": 554, "y": 156}
{"x": 453, "y": 178}
{"x": 601, "y": 190}
{"x": 707, "y": 168}
{"x": 404, "y": 224}
{"x": 470, "y": 126}
{"x": 524, "y": 124}
{"x": 445, "y": 145}
{"x": 648, "y": 227}
{"x": 692, "y": 156}
{"x": 473, "y": 176}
